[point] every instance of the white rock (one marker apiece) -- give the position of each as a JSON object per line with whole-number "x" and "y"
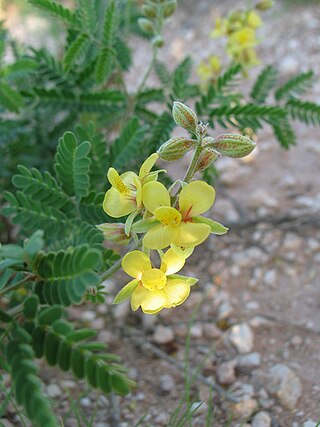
{"x": 226, "y": 373}
{"x": 292, "y": 242}
{"x": 261, "y": 419}
{"x": 244, "y": 408}
{"x": 251, "y": 360}
{"x": 252, "y": 305}
{"x": 241, "y": 336}
{"x": 163, "y": 335}
{"x": 285, "y": 384}
{"x": 196, "y": 330}
{"x": 296, "y": 341}
{"x": 53, "y": 391}
{"x": 310, "y": 423}
{"x": 289, "y": 65}
{"x": 270, "y": 277}
{"x": 121, "y": 311}
{"x": 167, "y": 383}
{"x": 224, "y": 310}
{"x": 88, "y": 315}
{"x": 261, "y": 198}
{"x": 85, "y": 402}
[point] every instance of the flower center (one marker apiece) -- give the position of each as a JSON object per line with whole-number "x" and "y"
{"x": 116, "y": 181}
{"x": 168, "y": 216}
{"x": 153, "y": 279}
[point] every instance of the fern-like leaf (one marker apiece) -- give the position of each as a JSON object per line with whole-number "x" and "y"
{"x": 67, "y": 274}
{"x": 228, "y": 79}
{"x": 110, "y": 24}
{"x": 161, "y": 131}
{"x": 306, "y": 112}
{"x": 10, "y": 98}
{"x": 128, "y": 145}
{"x": 265, "y": 82}
{"x": 42, "y": 187}
{"x": 295, "y": 86}
{"x": 72, "y": 165}
{"x": 284, "y": 134}
{"x": 74, "y": 51}
{"x": 104, "y": 65}
{"x": 56, "y": 10}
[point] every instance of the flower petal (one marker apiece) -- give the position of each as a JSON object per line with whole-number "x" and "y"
{"x": 177, "y": 292}
{"x": 151, "y": 302}
{"x": 160, "y": 236}
{"x": 154, "y": 195}
{"x": 182, "y": 251}
{"x": 196, "y": 198}
{"x": 135, "y": 263}
{"x": 168, "y": 216}
{"x": 126, "y": 291}
{"x": 118, "y": 204}
{"x": 191, "y": 234}
{"x": 171, "y": 262}
{"x": 147, "y": 165}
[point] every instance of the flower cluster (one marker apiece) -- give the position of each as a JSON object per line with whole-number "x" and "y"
{"x": 240, "y": 29}
{"x": 164, "y": 219}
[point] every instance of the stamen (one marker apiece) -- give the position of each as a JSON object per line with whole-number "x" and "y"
{"x": 116, "y": 181}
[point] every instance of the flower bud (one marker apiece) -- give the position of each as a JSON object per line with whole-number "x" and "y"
{"x": 231, "y": 145}
{"x": 207, "y": 157}
{"x": 146, "y": 25}
{"x": 158, "y": 41}
{"x": 175, "y": 148}
{"x": 264, "y": 5}
{"x": 149, "y": 10}
{"x": 169, "y": 8}
{"x": 114, "y": 232}
{"x": 184, "y": 117}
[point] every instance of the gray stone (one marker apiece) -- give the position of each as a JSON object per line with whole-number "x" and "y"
{"x": 270, "y": 277}
{"x": 310, "y": 423}
{"x": 243, "y": 409}
{"x": 289, "y": 65}
{"x": 163, "y": 335}
{"x": 261, "y": 198}
{"x": 196, "y": 330}
{"x": 167, "y": 383}
{"x": 121, "y": 311}
{"x": 210, "y": 330}
{"x": 241, "y": 336}
{"x": 251, "y": 360}
{"x": 224, "y": 310}
{"x": 285, "y": 385}
{"x": 85, "y": 402}
{"x": 292, "y": 242}
{"x": 261, "y": 419}
{"x": 226, "y": 373}
{"x": 53, "y": 391}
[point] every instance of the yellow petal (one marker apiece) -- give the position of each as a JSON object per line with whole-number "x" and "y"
{"x": 147, "y": 165}
{"x": 126, "y": 291}
{"x": 116, "y": 181}
{"x": 135, "y": 263}
{"x": 168, "y": 216}
{"x": 154, "y": 195}
{"x": 171, "y": 262}
{"x": 182, "y": 251}
{"x": 177, "y": 292}
{"x": 191, "y": 234}
{"x": 130, "y": 178}
{"x": 151, "y": 302}
{"x": 160, "y": 236}
{"x": 196, "y": 198}
{"x": 118, "y": 204}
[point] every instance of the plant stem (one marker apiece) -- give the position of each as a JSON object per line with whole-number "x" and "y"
{"x": 148, "y": 71}
{"x": 192, "y": 167}
{"x": 117, "y": 264}
{"x": 17, "y": 285}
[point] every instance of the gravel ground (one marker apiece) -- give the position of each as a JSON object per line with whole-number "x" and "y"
{"x": 256, "y": 329}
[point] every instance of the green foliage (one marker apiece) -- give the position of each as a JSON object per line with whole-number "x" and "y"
{"x": 56, "y": 10}
{"x": 298, "y": 85}
{"x": 265, "y": 82}
{"x": 306, "y": 112}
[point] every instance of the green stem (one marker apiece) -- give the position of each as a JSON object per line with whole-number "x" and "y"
{"x": 148, "y": 71}
{"x": 17, "y": 285}
{"x": 192, "y": 167}
{"x": 115, "y": 267}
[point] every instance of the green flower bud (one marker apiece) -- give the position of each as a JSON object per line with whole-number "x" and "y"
{"x": 146, "y": 25}
{"x": 264, "y": 5}
{"x": 149, "y": 10}
{"x": 231, "y": 145}
{"x": 175, "y": 148}
{"x": 169, "y": 8}
{"x": 158, "y": 41}
{"x": 184, "y": 117}
{"x": 207, "y": 157}
{"x": 114, "y": 232}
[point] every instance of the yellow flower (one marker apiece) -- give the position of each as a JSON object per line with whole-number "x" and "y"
{"x": 182, "y": 226}
{"x": 253, "y": 19}
{"x": 154, "y": 288}
{"x": 241, "y": 39}
{"x": 210, "y": 68}
{"x": 124, "y": 196}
